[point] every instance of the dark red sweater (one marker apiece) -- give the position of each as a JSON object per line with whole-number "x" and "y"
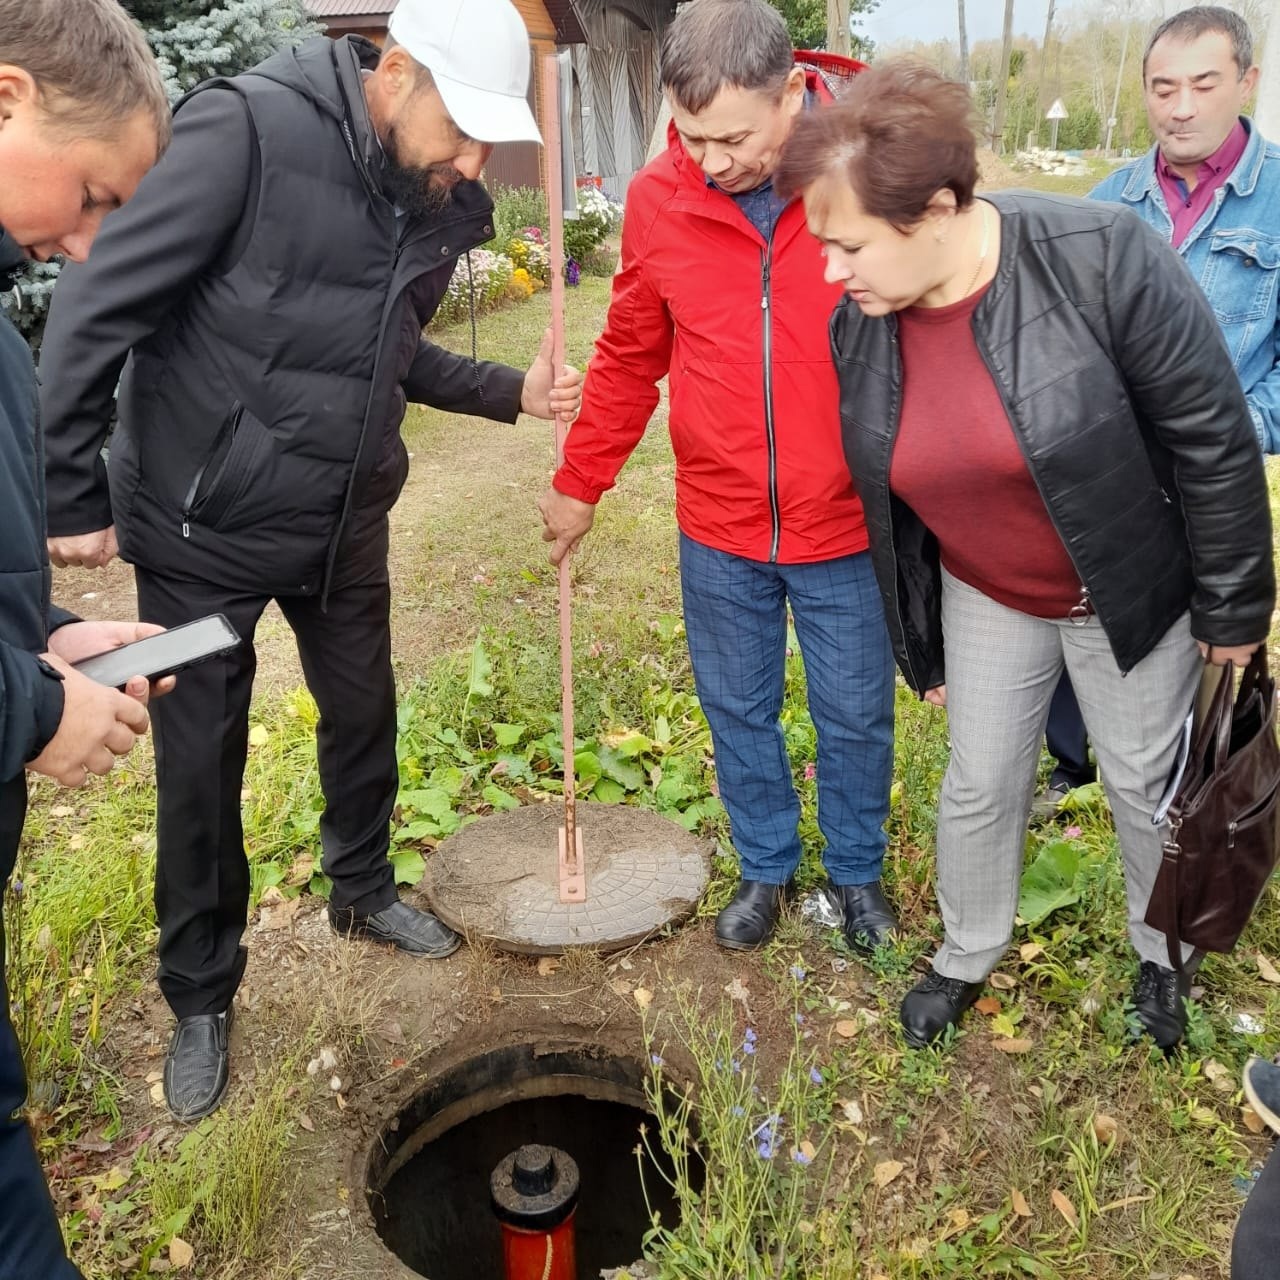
{"x": 958, "y": 466}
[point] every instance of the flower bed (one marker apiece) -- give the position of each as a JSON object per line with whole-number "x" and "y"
{"x": 521, "y": 265}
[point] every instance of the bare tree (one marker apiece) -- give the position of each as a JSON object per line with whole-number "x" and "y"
{"x": 1002, "y": 89}
{"x": 964, "y": 41}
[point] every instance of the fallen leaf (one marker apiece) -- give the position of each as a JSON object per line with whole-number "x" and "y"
{"x": 1267, "y": 969}
{"x": 643, "y": 997}
{"x": 957, "y": 1220}
{"x": 852, "y": 1111}
{"x": 1002, "y": 982}
{"x": 1020, "y": 1205}
{"x": 548, "y": 965}
{"x": 153, "y": 1076}
{"x": 808, "y": 1150}
{"x": 341, "y": 1101}
{"x": 1016, "y": 1045}
{"x": 1252, "y": 1120}
{"x": 61, "y": 811}
{"x": 271, "y": 897}
{"x": 1030, "y": 950}
{"x": 181, "y": 1254}
{"x": 1125, "y": 1203}
{"x": 300, "y": 871}
{"x": 1219, "y": 1076}
{"x": 1105, "y": 1128}
{"x": 886, "y": 1171}
{"x": 1066, "y": 1208}
{"x": 280, "y": 916}
{"x": 990, "y": 1005}
{"x": 737, "y": 990}
{"x": 258, "y": 736}
{"x": 307, "y": 1123}
{"x": 847, "y": 1028}
{"x": 157, "y": 1095}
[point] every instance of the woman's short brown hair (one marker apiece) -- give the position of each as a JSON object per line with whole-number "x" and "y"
{"x": 901, "y": 133}
{"x": 90, "y": 61}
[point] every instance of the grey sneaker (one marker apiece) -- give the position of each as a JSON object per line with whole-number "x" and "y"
{"x": 1262, "y": 1088}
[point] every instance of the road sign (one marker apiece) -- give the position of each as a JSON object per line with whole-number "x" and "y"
{"x": 1057, "y": 111}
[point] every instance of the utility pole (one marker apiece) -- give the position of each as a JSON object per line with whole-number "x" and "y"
{"x": 964, "y": 42}
{"x": 838, "y": 27}
{"x": 1115, "y": 100}
{"x": 1002, "y": 89}
{"x": 1044, "y": 63}
{"x": 1267, "y": 113}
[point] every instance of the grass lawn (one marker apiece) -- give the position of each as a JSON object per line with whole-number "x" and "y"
{"x": 1041, "y": 1142}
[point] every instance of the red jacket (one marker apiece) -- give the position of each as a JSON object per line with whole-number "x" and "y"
{"x": 741, "y": 328}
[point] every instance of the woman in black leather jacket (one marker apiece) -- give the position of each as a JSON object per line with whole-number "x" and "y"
{"x": 1058, "y": 469}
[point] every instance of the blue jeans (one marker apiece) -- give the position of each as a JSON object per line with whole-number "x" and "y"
{"x": 735, "y": 616}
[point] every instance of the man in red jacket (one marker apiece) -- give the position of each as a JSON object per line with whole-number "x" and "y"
{"x": 720, "y": 288}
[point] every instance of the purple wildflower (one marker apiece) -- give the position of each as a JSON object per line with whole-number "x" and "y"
{"x": 800, "y": 1158}
{"x": 572, "y": 272}
{"x": 799, "y": 1019}
{"x": 749, "y": 1042}
{"x": 797, "y": 972}
{"x": 815, "y": 1075}
{"x": 656, "y": 1059}
{"x": 810, "y": 771}
{"x": 18, "y": 887}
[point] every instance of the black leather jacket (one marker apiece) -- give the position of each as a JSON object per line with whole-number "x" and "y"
{"x": 1126, "y": 406}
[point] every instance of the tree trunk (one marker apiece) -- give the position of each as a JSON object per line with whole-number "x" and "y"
{"x": 1041, "y": 105}
{"x": 1267, "y": 114}
{"x": 964, "y": 44}
{"x": 838, "y": 26}
{"x": 1002, "y": 88}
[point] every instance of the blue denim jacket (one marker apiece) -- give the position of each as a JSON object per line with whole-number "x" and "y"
{"x": 1234, "y": 254}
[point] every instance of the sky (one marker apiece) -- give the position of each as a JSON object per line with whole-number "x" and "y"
{"x": 930, "y": 20}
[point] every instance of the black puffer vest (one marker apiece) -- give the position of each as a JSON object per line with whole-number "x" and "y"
{"x": 259, "y": 431}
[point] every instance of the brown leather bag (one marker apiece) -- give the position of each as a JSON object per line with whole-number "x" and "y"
{"x": 1224, "y": 819}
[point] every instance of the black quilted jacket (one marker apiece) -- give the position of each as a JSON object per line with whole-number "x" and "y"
{"x": 1126, "y": 406}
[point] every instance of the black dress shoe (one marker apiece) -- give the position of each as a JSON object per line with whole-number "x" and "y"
{"x": 1159, "y": 997}
{"x": 400, "y": 926}
{"x": 195, "y": 1068}
{"x": 934, "y": 1004}
{"x": 869, "y": 921}
{"x": 748, "y": 921}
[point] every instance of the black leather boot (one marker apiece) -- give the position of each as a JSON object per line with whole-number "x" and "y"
{"x": 934, "y": 1004}
{"x": 748, "y": 921}
{"x": 869, "y": 921}
{"x": 1159, "y": 997}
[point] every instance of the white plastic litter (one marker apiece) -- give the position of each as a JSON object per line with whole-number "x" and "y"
{"x": 822, "y": 909}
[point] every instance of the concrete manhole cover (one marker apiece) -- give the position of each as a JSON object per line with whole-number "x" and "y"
{"x": 497, "y": 878}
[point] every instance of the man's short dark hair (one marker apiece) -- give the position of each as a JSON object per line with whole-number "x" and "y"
{"x": 1203, "y": 20}
{"x": 724, "y": 44}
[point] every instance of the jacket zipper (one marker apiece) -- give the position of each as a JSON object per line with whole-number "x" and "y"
{"x": 231, "y": 423}
{"x": 895, "y": 418}
{"x": 766, "y": 273}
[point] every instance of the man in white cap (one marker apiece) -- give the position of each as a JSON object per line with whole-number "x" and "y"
{"x": 265, "y": 295}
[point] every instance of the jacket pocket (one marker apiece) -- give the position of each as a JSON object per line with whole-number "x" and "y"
{"x": 1241, "y": 275}
{"x": 219, "y": 485}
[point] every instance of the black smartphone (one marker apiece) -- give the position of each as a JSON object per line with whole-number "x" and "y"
{"x": 162, "y": 655}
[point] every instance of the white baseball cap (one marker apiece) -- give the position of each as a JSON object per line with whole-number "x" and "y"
{"x": 478, "y": 54}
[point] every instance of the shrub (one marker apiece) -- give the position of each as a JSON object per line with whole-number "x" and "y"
{"x": 514, "y": 209}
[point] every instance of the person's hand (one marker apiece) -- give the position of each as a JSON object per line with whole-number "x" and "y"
{"x": 546, "y": 396}
{"x": 79, "y": 640}
{"x": 90, "y": 550}
{"x": 567, "y": 520}
{"x": 98, "y": 724}
{"x": 1219, "y": 655}
{"x": 937, "y": 696}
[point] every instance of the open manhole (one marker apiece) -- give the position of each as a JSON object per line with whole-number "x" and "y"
{"x": 428, "y": 1172}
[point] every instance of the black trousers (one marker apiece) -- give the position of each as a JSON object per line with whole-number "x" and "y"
{"x": 30, "y": 1241}
{"x": 1255, "y": 1250}
{"x": 201, "y": 734}
{"x": 1066, "y": 738}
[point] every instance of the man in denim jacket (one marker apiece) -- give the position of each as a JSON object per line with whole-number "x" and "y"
{"x": 1211, "y": 185}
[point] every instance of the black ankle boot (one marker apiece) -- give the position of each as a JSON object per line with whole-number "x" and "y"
{"x": 1159, "y": 1000}
{"x": 934, "y": 1004}
{"x": 748, "y": 921}
{"x": 869, "y": 921}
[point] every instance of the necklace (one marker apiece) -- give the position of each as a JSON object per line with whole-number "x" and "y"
{"x": 982, "y": 253}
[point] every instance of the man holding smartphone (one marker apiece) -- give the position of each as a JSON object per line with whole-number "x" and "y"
{"x": 265, "y": 297}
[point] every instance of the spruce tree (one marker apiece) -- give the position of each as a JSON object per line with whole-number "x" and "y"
{"x": 192, "y": 40}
